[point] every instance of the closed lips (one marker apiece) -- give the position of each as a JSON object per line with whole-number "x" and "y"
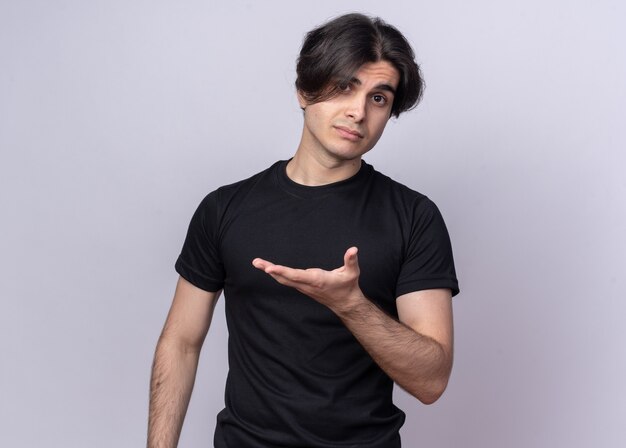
{"x": 350, "y": 131}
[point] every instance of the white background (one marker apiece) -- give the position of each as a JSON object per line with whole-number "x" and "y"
{"x": 117, "y": 117}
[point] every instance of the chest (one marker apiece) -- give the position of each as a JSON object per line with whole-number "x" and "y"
{"x": 312, "y": 233}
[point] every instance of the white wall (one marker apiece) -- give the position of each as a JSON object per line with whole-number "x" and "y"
{"x": 116, "y": 117}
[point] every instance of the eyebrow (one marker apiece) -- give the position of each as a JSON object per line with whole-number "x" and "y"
{"x": 382, "y": 86}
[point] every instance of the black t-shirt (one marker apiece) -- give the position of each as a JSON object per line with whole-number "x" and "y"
{"x": 297, "y": 377}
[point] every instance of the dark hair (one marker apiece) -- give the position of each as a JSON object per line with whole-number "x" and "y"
{"x": 333, "y": 52}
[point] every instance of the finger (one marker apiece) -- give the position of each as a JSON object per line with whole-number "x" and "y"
{"x": 297, "y": 277}
{"x": 270, "y": 268}
{"x": 279, "y": 278}
{"x": 284, "y": 278}
{"x": 261, "y": 264}
{"x": 285, "y": 272}
{"x": 350, "y": 259}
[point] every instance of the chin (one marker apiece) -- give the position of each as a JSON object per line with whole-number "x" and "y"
{"x": 347, "y": 153}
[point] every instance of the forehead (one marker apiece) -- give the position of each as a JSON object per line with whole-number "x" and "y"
{"x": 378, "y": 73}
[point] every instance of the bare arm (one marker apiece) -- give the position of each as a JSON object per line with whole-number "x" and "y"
{"x": 416, "y": 352}
{"x": 176, "y": 361}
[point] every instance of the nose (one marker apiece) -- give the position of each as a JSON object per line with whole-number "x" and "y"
{"x": 355, "y": 109}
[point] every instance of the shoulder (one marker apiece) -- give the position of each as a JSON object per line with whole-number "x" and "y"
{"x": 229, "y": 190}
{"x": 221, "y": 197}
{"x": 401, "y": 196}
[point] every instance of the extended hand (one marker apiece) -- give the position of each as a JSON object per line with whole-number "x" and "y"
{"x": 337, "y": 289}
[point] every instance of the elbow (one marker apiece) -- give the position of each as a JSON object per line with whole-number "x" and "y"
{"x": 434, "y": 385}
{"x": 431, "y": 396}
{"x": 175, "y": 343}
{"x": 431, "y": 392}
{"x": 430, "y": 382}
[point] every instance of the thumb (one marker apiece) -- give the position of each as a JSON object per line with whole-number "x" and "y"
{"x": 350, "y": 259}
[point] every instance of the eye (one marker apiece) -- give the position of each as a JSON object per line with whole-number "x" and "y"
{"x": 379, "y": 99}
{"x": 344, "y": 87}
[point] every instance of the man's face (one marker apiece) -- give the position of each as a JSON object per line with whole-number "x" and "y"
{"x": 348, "y": 125}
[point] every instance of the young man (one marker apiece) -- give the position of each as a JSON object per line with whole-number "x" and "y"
{"x": 317, "y": 333}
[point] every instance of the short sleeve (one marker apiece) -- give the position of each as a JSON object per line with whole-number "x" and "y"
{"x": 199, "y": 261}
{"x": 428, "y": 261}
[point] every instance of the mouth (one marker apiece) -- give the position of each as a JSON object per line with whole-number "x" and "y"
{"x": 352, "y": 134}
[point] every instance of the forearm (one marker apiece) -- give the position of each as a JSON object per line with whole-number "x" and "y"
{"x": 173, "y": 376}
{"x": 416, "y": 362}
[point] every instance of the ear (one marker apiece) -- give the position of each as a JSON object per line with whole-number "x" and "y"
{"x": 301, "y": 101}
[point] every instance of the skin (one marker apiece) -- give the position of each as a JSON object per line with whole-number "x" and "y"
{"x": 327, "y": 154}
{"x": 415, "y": 350}
{"x": 176, "y": 361}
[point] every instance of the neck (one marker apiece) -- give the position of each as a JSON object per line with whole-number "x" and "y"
{"x": 313, "y": 171}
{"x": 313, "y": 166}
